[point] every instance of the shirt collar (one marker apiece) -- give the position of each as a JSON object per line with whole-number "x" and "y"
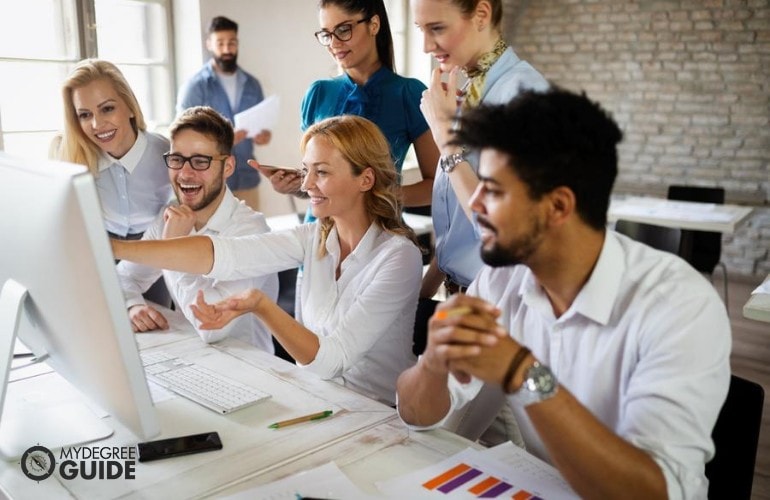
{"x": 362, "y": 250}
{"x": 222, "y": 216}
{"x": 499, "y": 69}
{"x": 130, "y": 160}
{"x": 597, "y": 297}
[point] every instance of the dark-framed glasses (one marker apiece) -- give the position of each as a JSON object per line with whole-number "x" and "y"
{"x": 176, "y": 161}
{"x": 342, "y": 32}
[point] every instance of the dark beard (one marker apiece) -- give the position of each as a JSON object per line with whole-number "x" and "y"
{"x": 227, "y": 65}
{"x": 518, "y": 253}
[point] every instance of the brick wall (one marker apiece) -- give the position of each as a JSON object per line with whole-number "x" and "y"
{"x": 687, "y": 80}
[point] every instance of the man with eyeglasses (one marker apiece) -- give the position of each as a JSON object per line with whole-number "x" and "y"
{"x": 199, "y": 163}
{"x": 226, "y": 87}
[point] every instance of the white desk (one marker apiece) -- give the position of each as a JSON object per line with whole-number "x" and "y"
{"x": 360, "y": 432}
{"x": 422, "y": 224}
{"x": 679, "y": 214}
{"x": 758, "y": 305}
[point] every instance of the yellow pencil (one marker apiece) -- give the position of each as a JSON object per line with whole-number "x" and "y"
{"x": 448, "y": 313}
{"x": 299, "y": 420}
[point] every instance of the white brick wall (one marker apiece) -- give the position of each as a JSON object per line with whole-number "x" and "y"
{"x": 687, "y": 80}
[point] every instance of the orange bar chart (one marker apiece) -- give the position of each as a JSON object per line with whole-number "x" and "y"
{"x": 464, "y": 477}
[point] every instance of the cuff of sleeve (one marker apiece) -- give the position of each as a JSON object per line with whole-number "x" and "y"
{"x": 135, "y": 301}
{"x": 220, "y": 259}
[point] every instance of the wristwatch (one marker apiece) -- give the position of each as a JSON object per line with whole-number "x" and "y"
{"x": 539, "y": 384}
{"x": 449, "y": 162}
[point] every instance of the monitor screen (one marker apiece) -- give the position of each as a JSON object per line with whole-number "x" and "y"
{"x": 61, "y": 297}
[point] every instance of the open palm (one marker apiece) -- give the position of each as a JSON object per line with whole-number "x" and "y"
{"x": 217, "y": 315}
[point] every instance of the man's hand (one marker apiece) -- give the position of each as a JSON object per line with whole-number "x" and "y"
{"x": 146, "y": 319}
{"x": 460, "y": 328}
{"x": 263, "y": 137}
{"x": 240, "y": 135}
{"x": 260, "y": 139}
{"x": 178, "y": 221}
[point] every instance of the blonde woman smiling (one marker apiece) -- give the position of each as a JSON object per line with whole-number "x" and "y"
{"x": 362, "y": 267}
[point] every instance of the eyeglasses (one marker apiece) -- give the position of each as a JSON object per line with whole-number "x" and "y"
{"x": 197, "y": 162}
{"x": 343, "y": 32}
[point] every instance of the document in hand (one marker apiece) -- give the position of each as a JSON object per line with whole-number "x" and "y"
{"x": 262, "y": 116}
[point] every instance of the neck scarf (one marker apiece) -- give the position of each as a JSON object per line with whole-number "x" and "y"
{"x": 478, "y": 74}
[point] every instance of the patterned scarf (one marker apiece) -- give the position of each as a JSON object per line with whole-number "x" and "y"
{"x": 478, "y": 75}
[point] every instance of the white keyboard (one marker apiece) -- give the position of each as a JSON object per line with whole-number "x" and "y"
{"x": 198, "y": 383}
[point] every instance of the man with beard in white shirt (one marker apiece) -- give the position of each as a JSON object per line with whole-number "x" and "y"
{"x": 198, "y": 164}
{"x": 613, "y": 356}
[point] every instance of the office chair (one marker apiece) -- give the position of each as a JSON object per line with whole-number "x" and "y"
{"x": 660, "y": 237}
{"x": 736, "y": 435}
{"x": 702, "y": 249}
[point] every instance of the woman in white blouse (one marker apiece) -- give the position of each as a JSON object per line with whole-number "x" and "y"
{"x": 361, "y": 265}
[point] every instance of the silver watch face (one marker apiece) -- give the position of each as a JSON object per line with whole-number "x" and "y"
{"x": 539, "y": 384}
{"x": 449, "y": 162}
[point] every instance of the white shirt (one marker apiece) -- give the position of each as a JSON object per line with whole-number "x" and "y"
{"x": 133, "y": 189}
{"x": 232, "y": 218}
{"x": 364, "y": 320}
{"x": 645, "y": 347}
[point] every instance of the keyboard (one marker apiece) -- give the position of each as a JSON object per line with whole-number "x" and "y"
{"x": 199, "y": 384}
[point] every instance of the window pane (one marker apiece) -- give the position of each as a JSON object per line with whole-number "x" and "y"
{"x": 38, "y": 29}
{"x": 32, "y": 99}
{"x": 131, "y": 31}
{"x": 29, "y": 145}
{"x": 151, "y": 86}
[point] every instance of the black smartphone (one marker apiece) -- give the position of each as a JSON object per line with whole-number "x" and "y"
{"x": 182, "y": 445}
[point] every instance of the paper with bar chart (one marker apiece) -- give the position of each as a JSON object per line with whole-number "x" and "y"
{"x": 482, "y": 474}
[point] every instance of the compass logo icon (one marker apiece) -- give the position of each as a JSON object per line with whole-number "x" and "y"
{"x": 38, "y": 463}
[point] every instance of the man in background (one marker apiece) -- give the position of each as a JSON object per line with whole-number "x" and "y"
{"x": 227, "y": 88}
{"x": 198, "y": 165}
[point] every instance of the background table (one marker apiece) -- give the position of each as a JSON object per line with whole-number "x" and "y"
{"x": 758, "y": 305}
{"x": 679, "y": 214}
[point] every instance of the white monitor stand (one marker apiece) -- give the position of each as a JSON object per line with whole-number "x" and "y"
{"x": 54, "y": 418}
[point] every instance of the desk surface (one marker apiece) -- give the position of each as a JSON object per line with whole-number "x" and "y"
{"x": 758, "y": 305}
{"x": 360, "y": 431}
{"x": 679, "y": 214}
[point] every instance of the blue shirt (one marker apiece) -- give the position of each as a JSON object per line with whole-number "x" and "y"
{"x": 391, "y": 101}
{"x": 135, "y": 188}
{"x": 457, "y": 237}
{"x": 204, "y": 89}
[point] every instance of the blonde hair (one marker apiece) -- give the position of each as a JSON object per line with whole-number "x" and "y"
{"x": 75, "y": 146}
{"x": 364, "y": 146}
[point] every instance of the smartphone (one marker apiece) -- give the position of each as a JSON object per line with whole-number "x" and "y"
{"x": 182, "y": 445}
{"x": 273, "y": 169}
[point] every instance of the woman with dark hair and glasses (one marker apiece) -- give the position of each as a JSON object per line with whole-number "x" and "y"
{"x": 357, "y": 35}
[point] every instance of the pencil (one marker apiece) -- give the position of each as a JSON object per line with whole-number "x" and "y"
{"x": 448, "y": 313}
{"x": 299, "y": 420}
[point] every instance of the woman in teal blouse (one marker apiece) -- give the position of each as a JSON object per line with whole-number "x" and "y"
{"x": 357, "y": 35}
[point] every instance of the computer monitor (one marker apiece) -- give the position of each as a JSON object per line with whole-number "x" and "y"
{"x": 59, "y": 294}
